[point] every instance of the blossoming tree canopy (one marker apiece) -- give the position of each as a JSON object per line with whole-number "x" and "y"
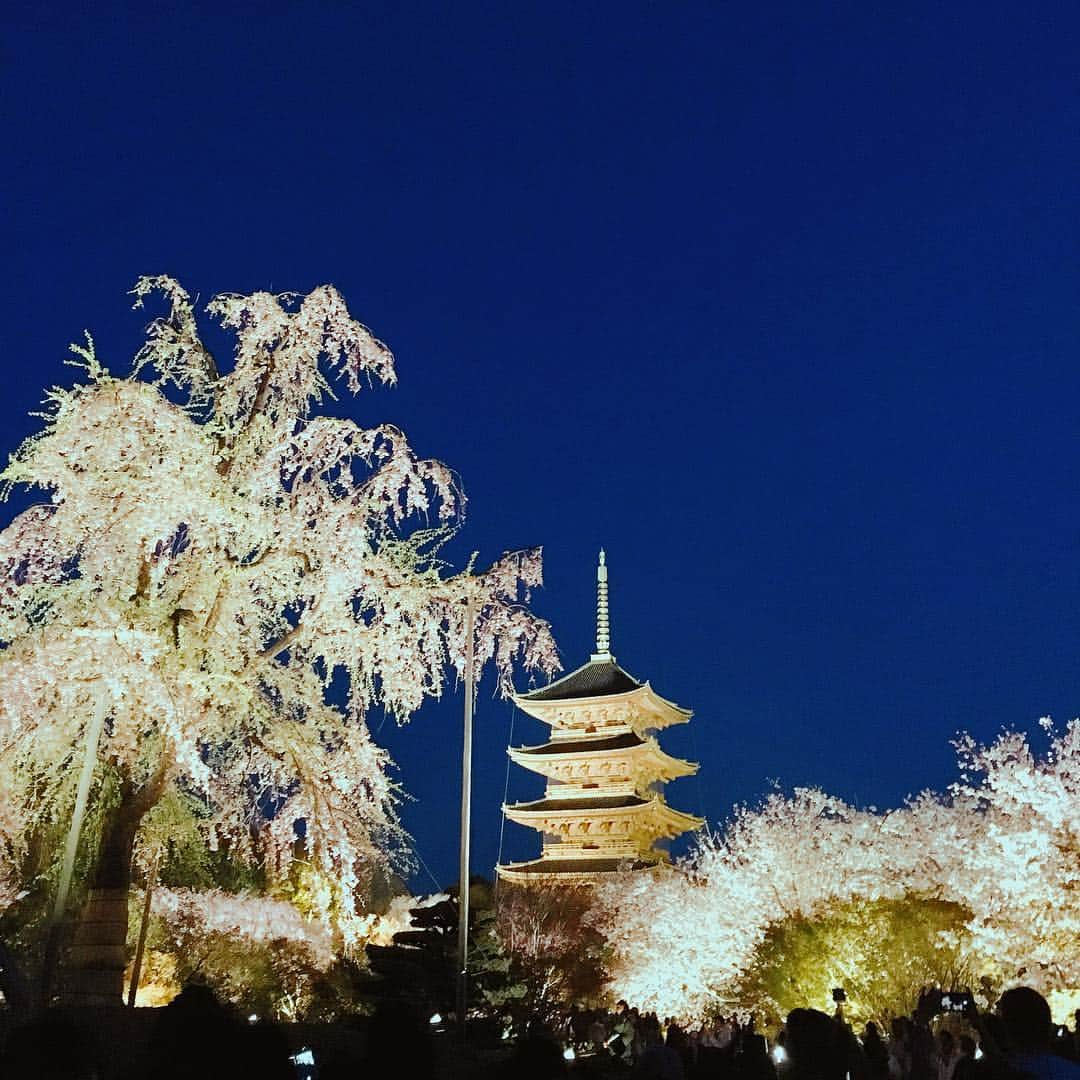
{"x": 1003, "y": 846}
{"x": 211, "y": 558}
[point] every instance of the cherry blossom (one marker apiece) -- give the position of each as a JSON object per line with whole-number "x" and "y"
{"x": 210, "y": 563}
{"x": 1004, "y": 842}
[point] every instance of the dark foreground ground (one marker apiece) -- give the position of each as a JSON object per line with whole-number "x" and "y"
{"x": 121, "y": 1043}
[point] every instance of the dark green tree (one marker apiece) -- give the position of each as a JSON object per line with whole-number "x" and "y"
{"x": 420, "y": 967}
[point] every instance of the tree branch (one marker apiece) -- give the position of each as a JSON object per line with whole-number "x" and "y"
{"x": 290, "y": 635}
{"x": 257, "y": 406}
{"x": 146, "y": 798}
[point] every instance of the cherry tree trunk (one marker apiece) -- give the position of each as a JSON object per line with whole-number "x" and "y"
{"x": 98, "y": 953}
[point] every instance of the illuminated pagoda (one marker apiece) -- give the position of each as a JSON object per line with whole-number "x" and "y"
{"x": 604, "y": 808}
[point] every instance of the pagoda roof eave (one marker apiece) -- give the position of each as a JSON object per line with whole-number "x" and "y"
{"x": 665, "y": 713}
{"x": 536, "y": 759}
{"x": 592, "y": 804}
{"x": 576, "y": 870}
{"x": 686, "y": 713}
{"x": 675, "y": 821}
{"x": 586, "y": 745}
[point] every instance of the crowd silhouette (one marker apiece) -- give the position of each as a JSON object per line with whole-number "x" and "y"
{"x": 197, "y": 1036}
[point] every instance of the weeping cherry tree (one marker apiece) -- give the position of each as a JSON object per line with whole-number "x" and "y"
{"x": 210, "y": 559}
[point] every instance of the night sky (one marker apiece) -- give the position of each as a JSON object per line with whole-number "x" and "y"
{"x": 776, "y": 302}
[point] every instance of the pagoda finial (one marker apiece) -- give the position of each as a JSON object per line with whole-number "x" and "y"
{"x": 603, "y": 629}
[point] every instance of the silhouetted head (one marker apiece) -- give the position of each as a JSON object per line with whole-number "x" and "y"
{"x": 194, "y": 1007}
{"x": 195, "y": 1000}
{"x": 814, "y": 1045}
{"x": 195, "y": 1034}
{"x": 1026, "y": 1018}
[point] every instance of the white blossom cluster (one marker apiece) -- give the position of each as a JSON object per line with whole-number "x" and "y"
{"x": 192, "y": 914}
{"x": 210, "y": 560}
{"x": 1004, "y": 842}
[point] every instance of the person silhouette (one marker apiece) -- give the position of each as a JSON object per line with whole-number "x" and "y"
{"x": 815, "y": 1046}
{"x": 1028, "y": 1028}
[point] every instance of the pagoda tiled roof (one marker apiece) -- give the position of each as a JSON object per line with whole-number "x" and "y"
{"x": 573, "y": 746}
{"x": 577, "y": 866}
{"x": 597, "y": 678}
{"x": 597, "y": 802}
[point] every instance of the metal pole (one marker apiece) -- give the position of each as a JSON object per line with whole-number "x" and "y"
{"x": 71, "y": 847}
{"x": 466, "y": 801}
{"x": 136, "y": 967}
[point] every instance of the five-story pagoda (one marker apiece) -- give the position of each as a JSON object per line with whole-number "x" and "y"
{"x": 604, "y": 808}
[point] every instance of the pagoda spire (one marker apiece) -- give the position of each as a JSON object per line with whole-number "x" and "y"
{"x": 603, "y": 627}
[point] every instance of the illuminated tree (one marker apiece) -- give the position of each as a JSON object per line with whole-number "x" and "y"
{"x": 882, "y": 952}
{"x": 1004, "y": 843}
{"x": 555, "y": 953}
{"x": 213, "y": 568}
{"x": 683, "y": 940}
{"x": 257, "y": 953}
{"x": 1018, "y": 868}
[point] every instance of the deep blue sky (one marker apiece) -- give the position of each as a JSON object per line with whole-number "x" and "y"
{"x": 777, "y": 302}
